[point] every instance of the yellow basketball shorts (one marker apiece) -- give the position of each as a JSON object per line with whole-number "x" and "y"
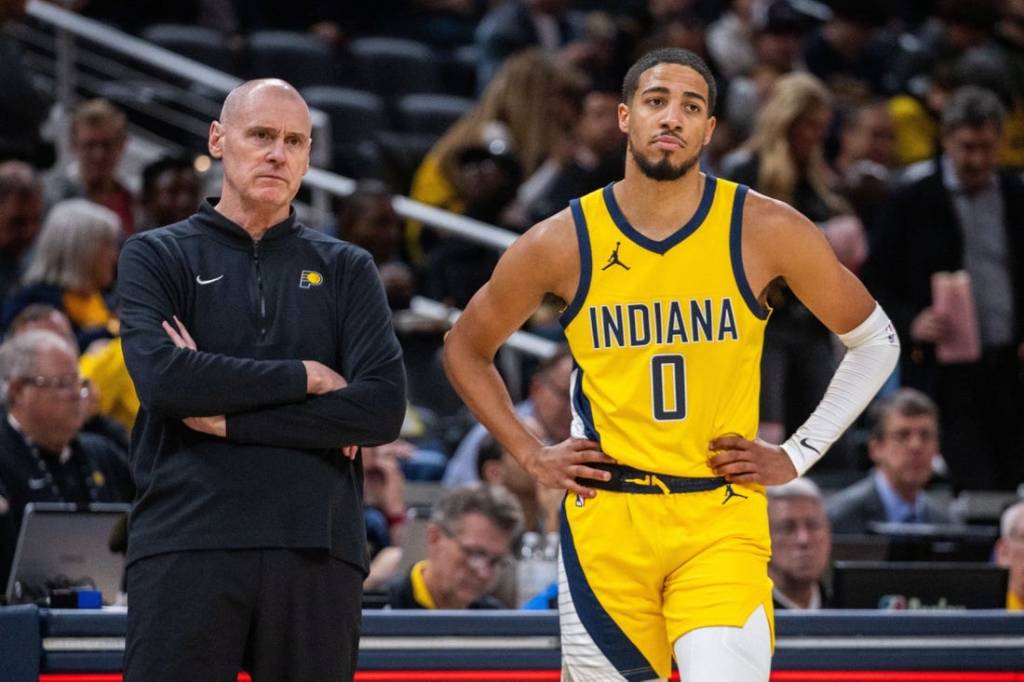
{"x": 638, "y": 571}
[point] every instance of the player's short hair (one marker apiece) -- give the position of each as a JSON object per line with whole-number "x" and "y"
{"x": 906, "y": 402}
{"x": 496, "y": 504}
{"x": 798, "y": 487}
{"x": 669, "y": 55}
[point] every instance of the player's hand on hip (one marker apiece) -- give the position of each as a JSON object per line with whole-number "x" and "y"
{"x": 750, "y": 461}
{"x": 322, "y": 379}
{"x": 559, "y": 465}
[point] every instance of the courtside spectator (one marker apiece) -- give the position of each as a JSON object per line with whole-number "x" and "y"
{"x": 904, "y": 445}
{"x": 43, "y": 455}
{"x": 801, "y": 545}
{"x": 469, "y": 537}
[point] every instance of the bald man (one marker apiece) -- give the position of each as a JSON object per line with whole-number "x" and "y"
{"x": 262, "y": 352}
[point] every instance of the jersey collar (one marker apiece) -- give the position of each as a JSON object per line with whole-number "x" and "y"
{"x": 660, "y": 247}
{"x": 234, "y": 234}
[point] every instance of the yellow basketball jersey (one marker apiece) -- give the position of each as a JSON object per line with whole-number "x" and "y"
{"x": 666, "y": 335}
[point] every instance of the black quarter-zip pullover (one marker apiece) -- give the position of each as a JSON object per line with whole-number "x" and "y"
{"x": 256, "y": 309}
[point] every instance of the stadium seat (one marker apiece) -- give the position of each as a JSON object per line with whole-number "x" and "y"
{"x": 355, "y": 116}
{"x": 458, "y": 71}
{"x": 205, "y": 45}
{"x": 395, "y": 66}
{"x": 430, "y": 114}
{"x": 393, "y": 158}
{"x": 300, "y": 59}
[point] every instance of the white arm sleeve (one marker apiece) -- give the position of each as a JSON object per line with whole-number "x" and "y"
{"x": 872, "y": 352}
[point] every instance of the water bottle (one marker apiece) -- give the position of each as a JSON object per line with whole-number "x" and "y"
{"x": 529, "y": 568}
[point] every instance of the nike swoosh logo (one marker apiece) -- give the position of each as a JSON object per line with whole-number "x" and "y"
{"x": 803, "y": 441}
{"x": 200, "y": 280}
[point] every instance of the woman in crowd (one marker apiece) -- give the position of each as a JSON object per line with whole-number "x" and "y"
{"x": 72, "y": 267}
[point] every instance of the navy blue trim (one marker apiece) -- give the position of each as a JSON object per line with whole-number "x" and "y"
{"x": 736, "y": 254}
{"x": 609, "y": 637}
{"x": 581, "y": 406}
{"x": 583, "y": 239}
{"x": 710, "y": 184}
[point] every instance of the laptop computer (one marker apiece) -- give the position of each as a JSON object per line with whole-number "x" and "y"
{"x": 60, "y": 545}
{"x": 917, "y": 585}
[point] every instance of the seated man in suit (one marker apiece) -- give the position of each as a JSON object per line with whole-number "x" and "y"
{"x": 470, "y": 535}
{"x": 801, "y": 545}
{"x": 904, "y": 443}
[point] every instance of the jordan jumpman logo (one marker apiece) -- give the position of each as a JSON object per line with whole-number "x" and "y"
{"x": 730, "y": 493}
{"x": 614, "y": 258}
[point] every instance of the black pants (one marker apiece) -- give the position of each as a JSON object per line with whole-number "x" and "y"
{"x": 282, "y": 615}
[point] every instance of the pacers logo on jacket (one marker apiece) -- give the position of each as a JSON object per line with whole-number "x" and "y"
{"x": 310, "y": 278}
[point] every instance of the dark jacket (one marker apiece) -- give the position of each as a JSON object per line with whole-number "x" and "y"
{"x": 921, "y": 235}
{"x": 96, "y": 471}
{"x": 852, "y": 509}
{"x": 255, "y": 310}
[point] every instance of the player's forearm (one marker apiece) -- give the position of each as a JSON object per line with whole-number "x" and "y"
{"x": 480, "y": 386}
{"x": 873, "y": 348}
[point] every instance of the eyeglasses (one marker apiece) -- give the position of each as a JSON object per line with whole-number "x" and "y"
{"x": 790, "y": 528}
{"x": 477, "y": 558}
{"x": 71, "y": 385}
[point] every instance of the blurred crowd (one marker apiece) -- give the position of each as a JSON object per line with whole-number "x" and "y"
{"x": 897, "y": 126}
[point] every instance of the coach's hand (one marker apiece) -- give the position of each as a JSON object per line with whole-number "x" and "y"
{"x": 750, "y": 461}
{"x": 215, "y": 426}
{"x": 322, "y": 379}
{"x": 179, "y": 334}
{"x": 559, "y": 465}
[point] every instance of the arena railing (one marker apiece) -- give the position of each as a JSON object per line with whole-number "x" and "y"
{"x": 70, "y": 26}
{"x": 75, "y": 66}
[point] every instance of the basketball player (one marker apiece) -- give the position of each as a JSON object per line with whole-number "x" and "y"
{"x": 664, "y": 273}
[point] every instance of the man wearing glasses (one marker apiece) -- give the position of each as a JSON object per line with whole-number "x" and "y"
{"x": 904, "y": 443}
{"x": 469, "y": 537}
{"x": 43, "y": 455}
